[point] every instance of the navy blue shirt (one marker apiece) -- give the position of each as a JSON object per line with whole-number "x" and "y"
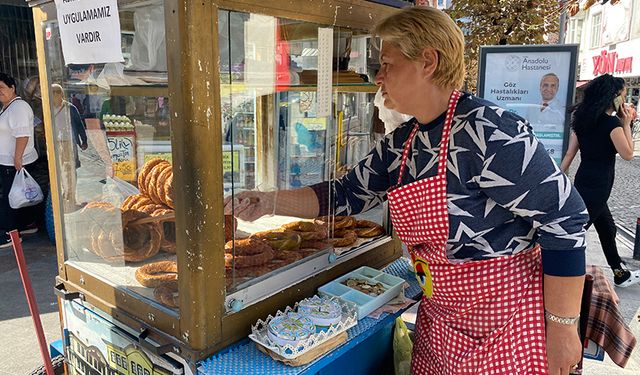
{"x": 505, "y": 193}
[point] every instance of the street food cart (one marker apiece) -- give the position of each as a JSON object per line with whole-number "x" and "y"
{"x": 210, "y": 98}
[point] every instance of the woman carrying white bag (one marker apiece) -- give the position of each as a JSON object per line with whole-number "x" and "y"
{"x": 16, "y": 152}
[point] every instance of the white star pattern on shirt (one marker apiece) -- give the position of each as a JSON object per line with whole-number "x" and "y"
{"x": 489, "y": 205}
{"x": 363, "y": 173}
{"x": 564, "y": 186}
{"x": 498, "y": 110}
{"x": 476, "y": 130}
{"x": 455, "y": 210}
{"x": 513, "y": 207}
{"x": 522, "y": 242}
{"x": 530, "y": 144}
{"x": 557, "y": 230}
{"x": 396, "y": 153}
{"x": 489, "y": 179}
{"x": 429, "y": 150}
{"x": 477, "y": 241}
{"x": 452, "y": 164}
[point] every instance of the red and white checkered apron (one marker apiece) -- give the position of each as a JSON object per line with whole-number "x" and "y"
{"x": 479, "y": 317}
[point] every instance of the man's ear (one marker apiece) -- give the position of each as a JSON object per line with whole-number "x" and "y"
{"x": 430, "y": 59}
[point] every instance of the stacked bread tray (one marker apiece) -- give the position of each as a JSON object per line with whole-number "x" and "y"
{"x": 382, "y": 288}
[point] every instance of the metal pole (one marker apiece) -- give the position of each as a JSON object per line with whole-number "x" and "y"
{"x": 561, "y": 29}
{"x": 31, "y": 299}
{"x": 636, "y": 244}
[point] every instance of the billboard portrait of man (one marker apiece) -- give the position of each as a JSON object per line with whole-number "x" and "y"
{"x": 548, "y": 114}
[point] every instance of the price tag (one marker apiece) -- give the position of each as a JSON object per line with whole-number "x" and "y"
{"x": 325, "y": 77}
{"x": 122, "y": 150}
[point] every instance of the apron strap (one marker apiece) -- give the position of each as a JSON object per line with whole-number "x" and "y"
{"x": 444, "y": 140}
{"x": 405, "y": 152}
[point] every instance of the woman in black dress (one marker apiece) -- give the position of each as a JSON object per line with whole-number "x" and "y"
{"x": 599, "y": 135}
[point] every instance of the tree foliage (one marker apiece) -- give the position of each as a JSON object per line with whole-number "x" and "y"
{"x": 502, "y": 22}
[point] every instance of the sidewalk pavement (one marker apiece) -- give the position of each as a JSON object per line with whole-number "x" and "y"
{"x": 19, "y": 352}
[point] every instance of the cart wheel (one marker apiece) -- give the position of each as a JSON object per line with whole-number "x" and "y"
{"x": 57, "y": 363}
{"x": 48, "y": 218}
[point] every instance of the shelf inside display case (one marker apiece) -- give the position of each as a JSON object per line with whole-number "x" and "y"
{"x": 349, "y": 87}
{"x": 114, "y": 90}
{"x": 121, "y": 276}
{"x": 339, "y": 87}
{"x": 261, "y": 288}
{"x": 249, "y": 290}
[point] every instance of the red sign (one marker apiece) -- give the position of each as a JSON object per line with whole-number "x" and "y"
{"x": 609, "y": 62}
{"x": 283, "y": 78}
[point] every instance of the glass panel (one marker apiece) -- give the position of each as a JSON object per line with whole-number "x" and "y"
{"x": 275, "y": 136}
{"x": 595, "y": 30}
{"x": 112, "y": 147}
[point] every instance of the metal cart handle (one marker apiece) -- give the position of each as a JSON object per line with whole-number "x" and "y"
{"x": 62, "y": 293}
{"x": 154, "y": 348}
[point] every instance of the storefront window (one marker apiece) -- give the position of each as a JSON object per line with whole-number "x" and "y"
{"x": 596, "y": 30}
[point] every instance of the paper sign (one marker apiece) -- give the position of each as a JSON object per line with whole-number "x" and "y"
{"x": 325, "y": 77}
{"x": 229, "y": 163}
{"x": 122, "y": 150}
{"x": 89, "y": 31}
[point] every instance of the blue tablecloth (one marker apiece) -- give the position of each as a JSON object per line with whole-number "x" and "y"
{"x": 245, "y": 359}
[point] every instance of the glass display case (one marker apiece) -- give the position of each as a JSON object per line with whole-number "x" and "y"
{"x": 212, "y": 98}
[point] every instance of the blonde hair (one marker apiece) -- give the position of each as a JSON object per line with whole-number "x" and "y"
{"x": 416, "y": 28}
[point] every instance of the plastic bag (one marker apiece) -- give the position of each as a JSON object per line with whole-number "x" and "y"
{"x": 115, "y": 191}
{"x": 391, "y": 119}
{"x": 25, "y": 191}
{"x": 148, "y": 50}
{"x": 402, "y": 347}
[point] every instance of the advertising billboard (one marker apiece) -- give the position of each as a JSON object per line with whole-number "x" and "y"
{"x": 535, "y": 82}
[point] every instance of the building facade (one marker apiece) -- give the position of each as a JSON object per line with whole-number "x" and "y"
{"x": 609, "y": 38}
{"x": 17, "y": 40}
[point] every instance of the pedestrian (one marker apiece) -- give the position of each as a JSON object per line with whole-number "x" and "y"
{"x": 601, "y": 125}
{"x": 70, "y": 133}
{"x": 486, "y": 213}
{"x": 17, "y": 151}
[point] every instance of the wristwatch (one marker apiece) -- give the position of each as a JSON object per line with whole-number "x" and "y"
{"x": 560, "y": 319}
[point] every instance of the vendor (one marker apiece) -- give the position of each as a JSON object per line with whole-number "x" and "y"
{"x": 494, "y": 228}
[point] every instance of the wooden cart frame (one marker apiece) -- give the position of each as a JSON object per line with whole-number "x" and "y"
{"x": 203, "y": 327}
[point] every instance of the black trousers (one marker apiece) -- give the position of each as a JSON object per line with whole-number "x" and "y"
{"x": 602, "y": 220}
{"x": 11, "y": 219}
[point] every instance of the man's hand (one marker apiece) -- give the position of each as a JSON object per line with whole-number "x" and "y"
{"x": 250, "y": 205}
{"x": 84, "y": 146}
{"x": 564, "y": 349}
